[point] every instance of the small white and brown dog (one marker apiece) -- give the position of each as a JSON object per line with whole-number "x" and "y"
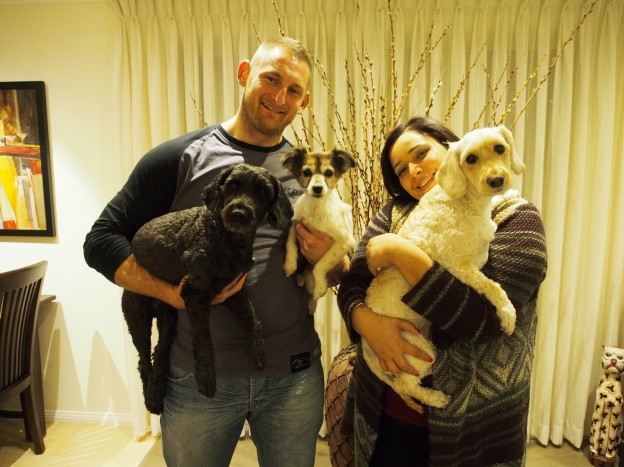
{"x": 320, "y": 205}
{"x": 452, "y": 223}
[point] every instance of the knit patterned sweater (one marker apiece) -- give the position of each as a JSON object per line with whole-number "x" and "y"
{"x": 486, "y": 373}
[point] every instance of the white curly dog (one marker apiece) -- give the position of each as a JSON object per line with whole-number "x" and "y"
{"x": 453, "y": 225}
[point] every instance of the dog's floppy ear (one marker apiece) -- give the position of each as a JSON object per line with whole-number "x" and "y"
{"x": 516, "y": 163}
{"x": 342, "y": 160}
{"x": 293, "y": 158}
{"x": 213, "y": 193}
{"x": 280, "y": 212}
{"x": 450, "y": 176}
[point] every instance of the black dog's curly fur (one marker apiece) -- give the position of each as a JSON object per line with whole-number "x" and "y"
{"x": 212, "y": 244}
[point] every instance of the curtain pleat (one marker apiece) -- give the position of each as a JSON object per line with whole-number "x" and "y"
{"x": 401, "y": 59}
{"x": 340, "y": 67}
{"x": 192, "y": 91}
{"x": 156, "y": 78}
{"x": 228, "y": 84}
{"x": 138, "y": 89}
{"x": 210, "y": 76}
{"x": 477, "y": 88}
{"x": 457, "y": 69}
{"x": 541, "y": 424}
{"x": 319, "y": 100}
{"x": 175, "y": 70}
{"x": 438, "y": 72}
{"x": 417, "y": 103}
{"x": 557, "y": 172}
{"x": 520, "y": 54}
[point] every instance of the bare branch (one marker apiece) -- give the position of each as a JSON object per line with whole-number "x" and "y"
{"x": 462, "y": 86}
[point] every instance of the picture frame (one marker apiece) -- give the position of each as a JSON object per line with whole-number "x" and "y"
{"x": 26, "y": 203}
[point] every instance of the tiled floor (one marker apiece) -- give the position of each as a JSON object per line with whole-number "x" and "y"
{"x": 94, "y": 446}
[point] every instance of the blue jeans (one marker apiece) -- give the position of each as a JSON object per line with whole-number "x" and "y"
{"x": 285, "y": 413}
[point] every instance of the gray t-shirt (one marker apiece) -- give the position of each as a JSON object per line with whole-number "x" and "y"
{"x": 172, "y": 177}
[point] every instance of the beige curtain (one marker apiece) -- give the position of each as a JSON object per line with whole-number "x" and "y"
{"x": 176, "y": 68}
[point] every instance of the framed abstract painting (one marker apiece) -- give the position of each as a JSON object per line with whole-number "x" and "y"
{"x": 26, "y": 205}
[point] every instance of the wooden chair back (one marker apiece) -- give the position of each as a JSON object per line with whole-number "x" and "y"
{"x": 20, "y": 291}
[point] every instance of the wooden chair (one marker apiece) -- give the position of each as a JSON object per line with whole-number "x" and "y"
{"x": 20, "y": 290}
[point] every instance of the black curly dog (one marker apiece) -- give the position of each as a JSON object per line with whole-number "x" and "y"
{"x": 212, "y": 244}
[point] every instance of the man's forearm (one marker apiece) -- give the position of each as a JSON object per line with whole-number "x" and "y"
{"x": 131, "y": 276}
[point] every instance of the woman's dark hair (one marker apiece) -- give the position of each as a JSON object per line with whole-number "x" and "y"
{"x": 423, "y": 125}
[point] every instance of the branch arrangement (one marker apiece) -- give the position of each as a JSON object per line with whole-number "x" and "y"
{"x": 362, "y": 132}
{"x": 363, "y": 129}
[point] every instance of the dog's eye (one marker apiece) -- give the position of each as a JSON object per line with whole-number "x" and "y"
{"x": 262, "y": 193}
{"x": 471, "y": 159}
{"x": 232, "y": 185}
{"x": 307, "y": 173}
{"x": 329, "y": 173}
{"x": 499, "y": 149}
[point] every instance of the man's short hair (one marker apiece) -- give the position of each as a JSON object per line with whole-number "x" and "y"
{"x": 294, "y": 46}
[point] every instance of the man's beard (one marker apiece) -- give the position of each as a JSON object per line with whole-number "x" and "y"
{"x": 257, "y": 123}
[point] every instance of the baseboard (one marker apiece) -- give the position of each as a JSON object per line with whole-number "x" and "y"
{"x": 89, "y": 418}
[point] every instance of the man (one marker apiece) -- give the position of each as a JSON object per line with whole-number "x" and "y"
{"x": 284, "y": 402}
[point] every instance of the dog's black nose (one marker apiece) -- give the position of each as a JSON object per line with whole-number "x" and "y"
{"x": 239, "y": 215}
{"x": 317, "y": 189}
{"x": 496, "y": 182}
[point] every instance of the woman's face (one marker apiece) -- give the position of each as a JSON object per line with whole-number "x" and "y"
{"x": 415, "y": 159}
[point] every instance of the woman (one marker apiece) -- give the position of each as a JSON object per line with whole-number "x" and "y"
{"x": 486, "y": 373}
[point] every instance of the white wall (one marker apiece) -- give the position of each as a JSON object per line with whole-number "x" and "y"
{"x": 69, "y": 46}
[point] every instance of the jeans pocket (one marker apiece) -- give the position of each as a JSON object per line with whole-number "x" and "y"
{"x": 180, "y": 375}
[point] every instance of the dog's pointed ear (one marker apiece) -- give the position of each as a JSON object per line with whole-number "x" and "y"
{"x": 292, "y": 158}
{"x": 342, "y": 160}
{"x": 450, "y": 176}
{"x": 213, "y": 193}
{"x": 280, "y": 212}
{"x": 515, "y": 163}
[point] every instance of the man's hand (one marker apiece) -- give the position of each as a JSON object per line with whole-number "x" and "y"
{"x": 135, "y": 278}
{"x": 312, "y": 243}
{"x": 233, "y": 287}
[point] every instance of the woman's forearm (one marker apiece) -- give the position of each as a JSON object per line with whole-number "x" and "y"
{"x": 413, "y": 264}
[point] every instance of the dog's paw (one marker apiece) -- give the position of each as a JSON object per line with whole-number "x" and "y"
{"x": 300, "y": 280}
{"x": 206, "y": 382}
{"x": 155, "y": 407}
{"x": 507, "y": 316}
{"x": 290, "y": 267}
{"x": 437, "y": 399}
{"x": 320, "y": 288}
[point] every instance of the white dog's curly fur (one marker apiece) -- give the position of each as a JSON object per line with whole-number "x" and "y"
{"x": 452, "y": 224}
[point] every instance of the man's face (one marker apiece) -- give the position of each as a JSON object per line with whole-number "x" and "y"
{"x": 275, "y": 90}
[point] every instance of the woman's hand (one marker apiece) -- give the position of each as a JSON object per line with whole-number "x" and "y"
{"x": 390, "y": 249}
{"x": 312, "y": 243}
{"x": 384, "y": 336}
{"x": 380, "y": 251}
